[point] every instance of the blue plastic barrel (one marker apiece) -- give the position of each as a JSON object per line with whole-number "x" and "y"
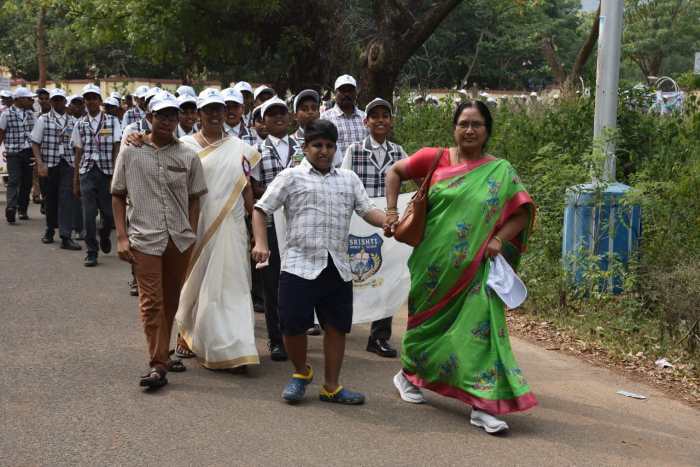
{"x": 599, "y": 227}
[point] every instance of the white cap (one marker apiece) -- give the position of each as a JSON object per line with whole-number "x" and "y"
{"x": 343, "y": 80}
{"x": 74, "y": 97}
{"x": 116, "y": 95}
{"x": 257, "y": 109}
{"x": 260, "y": 89}
{"x": 5, "y": 93}
{"x": 91, "y": 89}
{"x": 507, "y": 285}
{"x": 533, "y": 94}
{"x": 378, "y": 102}
{"x": 111, "y": 101}
{"x": 183, "y": 99}
{"x": 163, "y": 100}
{"x": 305, "y": 93}
{"x": 242, "y": 86}
{"x": 141, "y": 91}
{"x": 57, "y": 92}
{"x": 22, "y": 92}
{"x": 152, "y": 92}
{"x": 210, "y": 96}
{"x": 274, "y": 102}
{"x": 232, "y": 95}
{"x": 186, "y": 91}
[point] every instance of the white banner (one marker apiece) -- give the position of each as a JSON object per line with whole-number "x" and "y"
{"x": 379, "y": 265}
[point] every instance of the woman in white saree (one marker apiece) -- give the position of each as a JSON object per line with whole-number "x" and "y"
{"x": 215, "y": 316}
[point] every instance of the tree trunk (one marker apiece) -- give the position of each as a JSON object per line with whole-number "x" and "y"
{"x": 400, "y": 32}
{"x": 465, "y": 81}
{"x": 41, "y": 54}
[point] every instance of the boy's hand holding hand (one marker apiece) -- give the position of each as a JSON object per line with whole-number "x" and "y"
{"x": 390, "y": 222}
{"x": 260, "y": 253}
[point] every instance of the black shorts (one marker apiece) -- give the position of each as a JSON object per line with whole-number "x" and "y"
{"x": 328, "y": 295}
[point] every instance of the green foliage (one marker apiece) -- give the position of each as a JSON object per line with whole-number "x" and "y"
{"x": 551, "y": 147}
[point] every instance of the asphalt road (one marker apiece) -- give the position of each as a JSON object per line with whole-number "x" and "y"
{"x": 71, "y": 351}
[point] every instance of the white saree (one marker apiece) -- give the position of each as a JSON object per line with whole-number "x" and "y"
{"x": 215, "y": 315}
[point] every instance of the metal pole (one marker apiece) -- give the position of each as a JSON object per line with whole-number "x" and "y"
{"x": 608, "y": 77}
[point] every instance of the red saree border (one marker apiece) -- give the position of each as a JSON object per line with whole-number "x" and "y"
{"x": 493, "y": 407}
{"x": 511, "y": 206}
{"x": 443, "y": 173}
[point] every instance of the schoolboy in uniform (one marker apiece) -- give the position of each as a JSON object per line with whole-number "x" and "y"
{"x": 188, "y": 115}
{"x": 258, "y": 132}
{"x": 262, "y": 94}
{"x": 16, "y": 125}
{"x": 5, "y": 100}
{"x": 305, "y": 109}
{"x": 44, "y": 101}
{"x": 233, "y": 123}
{"x": 111, "y": 107}
{"x": 278, "y": 152}
{"x": 161, "y": 229}
{"x": 54, "y": 160}
{"x": 96, "y": 140}
{"x": 143, "y": 126}
{"x": 371, "y": 159}
{"x": 76, "y": 109}
{"x": 246, "y": 89}
{"x": 319, "y": 201}
{"x": 138, "y": 111}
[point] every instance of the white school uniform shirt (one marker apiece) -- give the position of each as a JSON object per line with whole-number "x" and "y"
{"x": 379, "y": 150}
{"x": 281, "y": 145}
{"x": 94, "y": 124}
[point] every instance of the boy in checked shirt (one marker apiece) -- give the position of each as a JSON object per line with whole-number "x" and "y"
{"x": 371, "y": 159}
{"x": 319, "y": 201}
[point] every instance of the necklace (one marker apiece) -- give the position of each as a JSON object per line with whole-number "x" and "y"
{"x": 216, "y": 142}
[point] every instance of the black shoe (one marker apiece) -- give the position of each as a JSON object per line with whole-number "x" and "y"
{"x": 315, "y": 330}
{"x": 90, "y": 260}
{"x": 10, "y": 216}
{"x": 278, "y": 353}
{"x": 23, "y": 216}
{"x": 42, "y": 209}
{"x": 133, "y": 288}
{"x": 48, "y": 236}
{"x": 381, "y": 347}
{"x": 67, "y": 243}
{"x": 79, "y": 235}
{"x": 105, "y": 244}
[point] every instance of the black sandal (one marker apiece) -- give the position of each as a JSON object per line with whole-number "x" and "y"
{"x": 154, "y": 379}
{"x": 176, "y": 366}
{"x": 183, "y": 352}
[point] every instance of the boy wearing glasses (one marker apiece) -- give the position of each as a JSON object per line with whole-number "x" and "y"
{"x": 164, "y": 179}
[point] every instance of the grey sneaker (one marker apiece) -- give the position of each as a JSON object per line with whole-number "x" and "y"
{"x": 488, "y": 422}
{"x": 408, "y": 391}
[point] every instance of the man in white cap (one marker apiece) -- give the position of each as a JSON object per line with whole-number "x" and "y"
{"x": 16, "y": 125}
{"x": 346, "y": 116}
{"x": 235, "y": 106}
{"x": 246, "y": 89}
{"x": 53, "y": 155}
{"x": 161, "y": 229}
{"x": 96, "y": 141}
{"x": 138, "y": 111}
{"x": 279, "y": 152}
{"x": 261, "y": 94}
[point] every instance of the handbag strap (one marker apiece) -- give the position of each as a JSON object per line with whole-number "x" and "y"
{"x": 426, "y": 181}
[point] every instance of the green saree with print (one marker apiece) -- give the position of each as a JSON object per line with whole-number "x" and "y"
{"x": 457, "y": 340}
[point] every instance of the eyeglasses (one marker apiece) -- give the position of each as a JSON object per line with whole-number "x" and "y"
{"x": 473, "y": 125}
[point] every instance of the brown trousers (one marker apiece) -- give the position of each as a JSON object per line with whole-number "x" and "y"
{"x": 160, "y": 280}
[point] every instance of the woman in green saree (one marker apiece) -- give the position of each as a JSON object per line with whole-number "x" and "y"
{"x": 457, "y": 340}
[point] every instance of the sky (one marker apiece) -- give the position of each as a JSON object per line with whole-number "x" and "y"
{"x": 589, "y": 5}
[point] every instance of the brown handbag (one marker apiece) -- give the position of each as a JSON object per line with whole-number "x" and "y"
{"x": 411, "y": 227}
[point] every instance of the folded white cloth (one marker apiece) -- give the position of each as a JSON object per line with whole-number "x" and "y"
{"x": 507, "y": 285}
